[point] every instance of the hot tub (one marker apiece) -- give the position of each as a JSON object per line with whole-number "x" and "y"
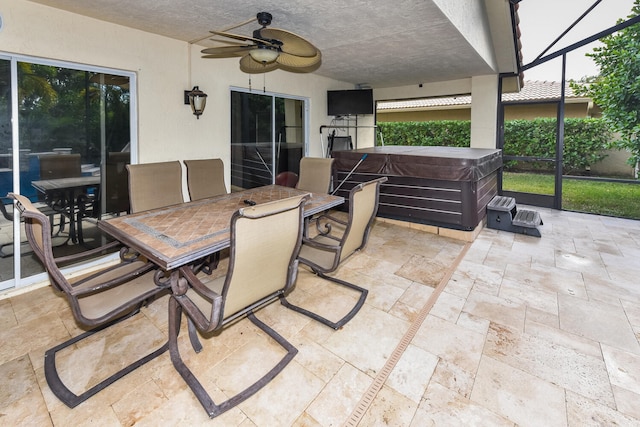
{"x": 441, "y": 186}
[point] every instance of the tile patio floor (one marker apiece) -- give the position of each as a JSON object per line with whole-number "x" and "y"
{"x": 517, "y": 330}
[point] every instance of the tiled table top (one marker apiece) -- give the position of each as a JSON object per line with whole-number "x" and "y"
{"x": 176, "y": 235}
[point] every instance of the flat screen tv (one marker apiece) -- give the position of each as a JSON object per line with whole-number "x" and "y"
{"x": 349, "y": 102}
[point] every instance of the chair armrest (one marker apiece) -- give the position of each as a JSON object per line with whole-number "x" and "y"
{"x": 319, "y": 245}
{"x": 206, "y": 322}
{"x": 88, "y": 253}
{"x": 5, "y": 213}
{"x": 324, "y": 225}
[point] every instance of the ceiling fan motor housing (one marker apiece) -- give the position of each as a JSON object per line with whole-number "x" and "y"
{"x": 264, "y": 18}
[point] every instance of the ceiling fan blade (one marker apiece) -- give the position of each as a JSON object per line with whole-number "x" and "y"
{"x": 291, "y": 43}
{"x": 304, "y": 62}
{"x": 225, "y": 51}
{"x": 251, "y": 66}
{"x": 240, "y": 37}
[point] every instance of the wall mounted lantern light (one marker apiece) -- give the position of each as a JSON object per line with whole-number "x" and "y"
{"x": 197, "y": 99}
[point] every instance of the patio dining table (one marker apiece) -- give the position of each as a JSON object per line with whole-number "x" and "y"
{"x": 177, "y": 235}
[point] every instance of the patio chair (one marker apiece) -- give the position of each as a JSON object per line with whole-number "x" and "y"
{"x": 97, "y": 301}
{"x": 155, "y": 185}
{"x": 265, "y": 240}
{"x": 315, "y": 174}
{"x": 338, "y": 240}
{"x": 205, "y": 178}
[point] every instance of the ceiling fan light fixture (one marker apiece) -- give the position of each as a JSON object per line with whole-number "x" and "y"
{"x": 264, "y": 54}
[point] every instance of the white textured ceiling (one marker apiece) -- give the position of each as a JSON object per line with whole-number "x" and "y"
{"x": 376, "y": 43}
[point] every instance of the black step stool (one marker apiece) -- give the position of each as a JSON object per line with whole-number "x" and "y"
{"x": 502, "y": 214}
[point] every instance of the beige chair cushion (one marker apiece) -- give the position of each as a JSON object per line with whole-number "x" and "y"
{"x": 155, "y": 185}
{"x": 363, "y": 206}
{"x": 205, "y": 178}
{"x": 315, "y": 174}
{"x": 263, "y": 242}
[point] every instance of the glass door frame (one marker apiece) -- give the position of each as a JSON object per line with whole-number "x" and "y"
{"x": 18, "y": 281}
{"x": 274, "y": 139}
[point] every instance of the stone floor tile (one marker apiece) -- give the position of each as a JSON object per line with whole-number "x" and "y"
{"x": 584, "y": 412}
{"x": 509, "y": 392}
{"x": 627, "y": 402}
{"x": 338, "y": 399}
{"x": 412, "y": 373}
{"x": 354, "y": 345}
{"x": 443, "y": 407}
{"x": 495, "y": 309}
{"x": 601, "y": 322}
{"x": 451, "y": 342}
{"x": 389, "y": 408}
{"x": 448, "y": 307}
{"x": 550, "y": 361}
{"x": 623, "y": 367}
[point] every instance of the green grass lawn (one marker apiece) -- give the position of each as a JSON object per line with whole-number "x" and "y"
{"x": 605, "y": 198}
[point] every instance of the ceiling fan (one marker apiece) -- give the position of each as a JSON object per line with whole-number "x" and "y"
{"x": 269, "y": 49}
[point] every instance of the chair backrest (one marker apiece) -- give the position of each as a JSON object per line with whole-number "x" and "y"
{"x": 54, "y": 166}
{"x": 205, "y": 178}
{"x": 315, "y": 174}
{"x": 363, "y": 206}
{"x": 155, "y": 185}
{"x": 265, "y": 241}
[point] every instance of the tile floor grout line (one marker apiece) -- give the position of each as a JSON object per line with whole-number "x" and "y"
{"x": 366, "y": 400}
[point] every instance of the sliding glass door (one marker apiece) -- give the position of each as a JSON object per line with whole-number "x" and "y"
{"x": 69, "y": 121}
{"x": 268, "y": 137}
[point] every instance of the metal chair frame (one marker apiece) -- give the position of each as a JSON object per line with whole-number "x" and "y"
{"x": 113, "y": 308}
{"x": 334, "y": 245}
{"x": 215, "y": 318}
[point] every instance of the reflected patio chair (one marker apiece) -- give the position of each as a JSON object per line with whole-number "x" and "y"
{"x": 45, "y": 210}
{"x": 265, "y": 240}
{"x": 205, "y": 178}
{"x": 57, "y": 166}
{"x": 115, "y": 191}
{"x": 155, "y": 185}
{"x": 97, "y": 301}
{"x": 338, "y": 240}
{"x": 315, "y": 174}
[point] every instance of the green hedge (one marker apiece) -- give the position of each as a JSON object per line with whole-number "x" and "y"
{"x": 450, "y": 133}
{"x": 584, "y": 140}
